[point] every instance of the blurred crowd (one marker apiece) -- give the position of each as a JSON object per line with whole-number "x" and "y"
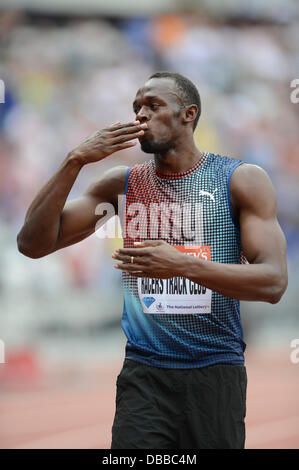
{"x": 65, "y": 79}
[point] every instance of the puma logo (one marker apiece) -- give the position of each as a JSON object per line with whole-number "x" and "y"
{"x": 206, "y": 193}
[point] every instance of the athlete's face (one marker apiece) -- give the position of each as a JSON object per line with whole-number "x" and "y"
{"x": 159, "y": 105}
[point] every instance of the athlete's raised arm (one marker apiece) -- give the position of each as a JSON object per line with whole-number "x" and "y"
{"x": 50, "y": 222}
{"x": 263, "y": 243}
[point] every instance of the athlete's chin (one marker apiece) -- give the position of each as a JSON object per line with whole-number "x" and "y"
{"x": 150, "y": 146}
{"x": 147, "y": 147}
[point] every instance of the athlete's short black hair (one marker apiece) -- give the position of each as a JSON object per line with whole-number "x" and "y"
{"x": 188, "y": 91}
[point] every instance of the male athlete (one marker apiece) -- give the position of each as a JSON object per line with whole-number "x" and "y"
{"x": 200, "y": 234}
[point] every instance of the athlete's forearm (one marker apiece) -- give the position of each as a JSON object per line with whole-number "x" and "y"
{"x": 259, "y": 282}
{"x": 41, "y": 227}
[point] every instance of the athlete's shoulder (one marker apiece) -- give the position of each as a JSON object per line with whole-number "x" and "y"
{"x": 142, "y": 170}
{"x": 248, "y": 175}
{"x": 111, "y": 182}
{"x": 142, "y": 166}
{"x": 223, "y": 161}
{"x": 250, "y": 185}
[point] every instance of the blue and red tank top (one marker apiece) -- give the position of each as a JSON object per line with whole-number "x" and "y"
{"x": 176, "y": 323}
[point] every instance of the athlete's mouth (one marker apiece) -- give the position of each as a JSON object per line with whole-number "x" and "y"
{"x": 146, "y": 133}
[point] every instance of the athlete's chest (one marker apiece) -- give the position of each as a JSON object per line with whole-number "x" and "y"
{"x": 184, "y": 211}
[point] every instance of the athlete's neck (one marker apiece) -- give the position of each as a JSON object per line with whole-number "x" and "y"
{"x": 178, "y": 160}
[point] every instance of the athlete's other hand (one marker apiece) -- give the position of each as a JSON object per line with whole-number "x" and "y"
{"x": 106, "y": 141}
{"x": 152, "y": 258}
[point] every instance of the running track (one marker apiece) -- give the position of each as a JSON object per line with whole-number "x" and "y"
{"x": 68, "y": 409}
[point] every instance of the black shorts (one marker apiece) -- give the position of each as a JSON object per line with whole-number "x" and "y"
{"x": 201, "y": 408}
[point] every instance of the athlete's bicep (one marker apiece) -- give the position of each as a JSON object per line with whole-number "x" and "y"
{"x": 77, "y": 221}
{"x": 261, "y": 235}
{"x": 262, "y": 240}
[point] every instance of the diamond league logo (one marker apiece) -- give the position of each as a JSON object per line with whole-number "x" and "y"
{"x": 148, "y": 301}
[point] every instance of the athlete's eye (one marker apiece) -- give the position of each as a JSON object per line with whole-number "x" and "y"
{"x": 154, "y": 105}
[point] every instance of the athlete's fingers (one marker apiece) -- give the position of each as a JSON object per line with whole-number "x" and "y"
{"x": 127, "y": 259}
{"x": 130, "y": 135}
{"x": 149, "y": 243}
{"x": 133, "y": 251}
{"x": 124, "y": 138}
{"x": 140, "y": 274}
{"x": 116, "y": 123}
{"x": 129, "y": 267}
{"x": 115, "y": 132}
{"x": 117, "y": 126}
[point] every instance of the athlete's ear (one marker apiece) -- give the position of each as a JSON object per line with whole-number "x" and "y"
{"x": 189, "y": 113}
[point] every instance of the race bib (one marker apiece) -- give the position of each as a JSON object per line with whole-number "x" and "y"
{"x": 177, "y": 295}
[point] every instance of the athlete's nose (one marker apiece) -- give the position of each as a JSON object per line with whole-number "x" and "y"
{"x": 142, "y": 116}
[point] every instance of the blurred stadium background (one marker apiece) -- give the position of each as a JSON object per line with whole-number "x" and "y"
{"x": 72, "y": 67}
